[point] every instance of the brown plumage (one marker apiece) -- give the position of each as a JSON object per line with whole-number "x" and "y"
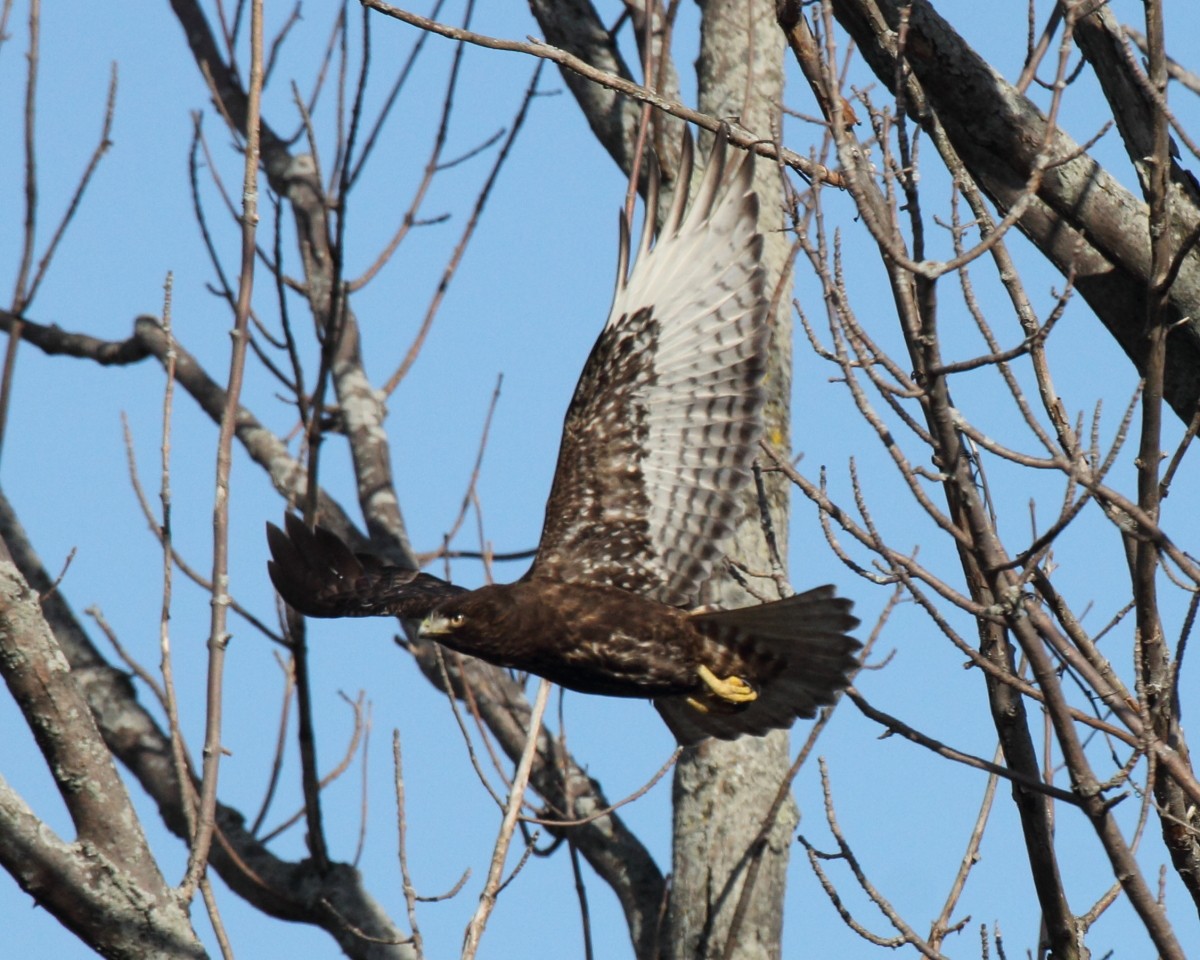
{"x": 657, "y": 446}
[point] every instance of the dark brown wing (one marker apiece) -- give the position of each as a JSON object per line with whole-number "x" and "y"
{"x": 795, "y": 652}
{"x": 664, "y": 424}
{"x": 319, "y": 576}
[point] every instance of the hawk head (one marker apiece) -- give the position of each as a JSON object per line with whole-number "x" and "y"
{"x": 440, "y": 625}
{"x": 474, "y": 621}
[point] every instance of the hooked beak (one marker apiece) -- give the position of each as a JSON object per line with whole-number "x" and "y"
{"x": 434, "y": 626}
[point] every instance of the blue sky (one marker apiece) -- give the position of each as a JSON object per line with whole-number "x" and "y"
{"x": 531, "y": 295}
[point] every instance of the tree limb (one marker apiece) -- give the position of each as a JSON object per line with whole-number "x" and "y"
{"x": 1085, "y": 222}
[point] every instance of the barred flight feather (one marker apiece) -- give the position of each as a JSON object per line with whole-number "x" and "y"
{"x": 656, "y": 451}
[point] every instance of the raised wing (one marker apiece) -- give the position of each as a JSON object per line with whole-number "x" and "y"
{"x": 320, "y": 576}
{"x": 662, "y": 430}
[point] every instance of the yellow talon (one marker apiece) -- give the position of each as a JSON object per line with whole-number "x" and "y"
{"x": 731, "y": 689}
{"x": 697, "y": 705}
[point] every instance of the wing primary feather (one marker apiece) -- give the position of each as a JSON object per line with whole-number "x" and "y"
{"x": 710, "y": 185}
{"x": 654, "y": 176}
{"x": 745, "y": 182}
{"x": 624, "y": 229}
{"x": 683, "y": 179}
{"x": 318, "y": 575}
{"x": 662, "y": 429}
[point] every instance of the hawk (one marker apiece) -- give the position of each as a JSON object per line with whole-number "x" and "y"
{"x": 657, "y": 449}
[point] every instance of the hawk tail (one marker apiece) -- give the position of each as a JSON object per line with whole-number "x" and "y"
{"x": 319, "y": 576}
{"x": 796, "y": 654}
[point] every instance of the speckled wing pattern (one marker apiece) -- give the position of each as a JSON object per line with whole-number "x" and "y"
{"x": 664, "y": 424}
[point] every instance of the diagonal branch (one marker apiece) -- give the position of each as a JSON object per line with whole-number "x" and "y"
{"x": 607, "y": 843}
{"x": 1085, "y": 222}
{"x": 107, "y": 887}
{"x": 759, "y": 142}
{"x": 334, "y": 900}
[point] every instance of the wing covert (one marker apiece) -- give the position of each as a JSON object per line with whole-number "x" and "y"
{"x": 663, "y": 427}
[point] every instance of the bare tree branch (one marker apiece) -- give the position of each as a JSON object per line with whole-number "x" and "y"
{"x": 1084, "y": 221}
{"x": 106, "y": 887}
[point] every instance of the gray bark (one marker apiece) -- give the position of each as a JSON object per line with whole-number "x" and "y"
{"x": 575, "y": 26}
{"x": 332, "y": 900}
{"x": 104, "y": 887}
{"x": 1083, "y": 220}
{"x": 722, "y": 790}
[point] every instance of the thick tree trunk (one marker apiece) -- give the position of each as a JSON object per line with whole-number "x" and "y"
{"x": 723, "y": 790}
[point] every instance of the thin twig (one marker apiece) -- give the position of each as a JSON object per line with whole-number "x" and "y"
{"x": 410, "y": 893}
{"x": 600, "y": 814}
{"x": 289, "y": 687}
{"x": 218, "y": 638}
{"x": 487, "y": 899}
{"x": 464, "y": 241}
{"x": 763, "y": 147}
{"x": 356, "y": 735}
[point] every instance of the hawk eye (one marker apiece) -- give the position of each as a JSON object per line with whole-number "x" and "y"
{"x": 457, "y": 620}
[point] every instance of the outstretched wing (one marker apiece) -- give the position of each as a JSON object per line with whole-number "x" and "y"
{"x": 662, "y": 430}
{"x": 320, "y": 576}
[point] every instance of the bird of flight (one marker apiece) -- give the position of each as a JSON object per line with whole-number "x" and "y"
{"x": 656, "y": 451}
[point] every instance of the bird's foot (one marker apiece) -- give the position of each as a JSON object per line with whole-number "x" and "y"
{"x": 733, "y": 690}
